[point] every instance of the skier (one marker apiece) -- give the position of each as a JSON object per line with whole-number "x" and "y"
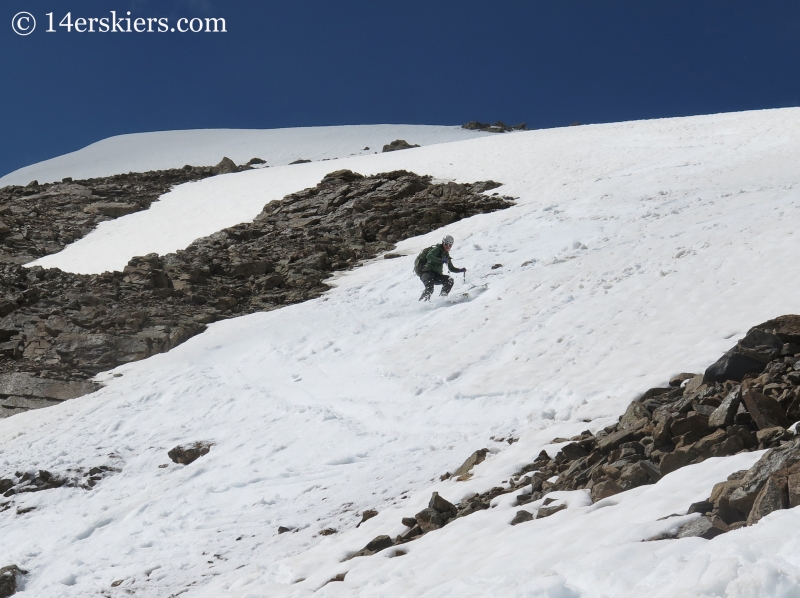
{"x": 429, "y": 268}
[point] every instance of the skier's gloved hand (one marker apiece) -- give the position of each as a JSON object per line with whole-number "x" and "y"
{"x": 464, "y": 270}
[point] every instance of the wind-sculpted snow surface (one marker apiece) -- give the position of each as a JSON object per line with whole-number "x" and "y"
{"x": 634, "y": 252}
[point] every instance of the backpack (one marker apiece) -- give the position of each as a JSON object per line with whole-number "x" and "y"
{"x": 421, "y": 260}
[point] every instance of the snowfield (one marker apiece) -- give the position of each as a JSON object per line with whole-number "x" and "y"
{"x": 140, "y": 152}
{"x": 635, "y": 251}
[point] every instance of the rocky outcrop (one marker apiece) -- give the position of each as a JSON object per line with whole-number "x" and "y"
{"x": 498, "y": 127}
{"x": 398, "y": 144}
{"x": 37, "y": 220}
{"x": 21, "y": 392}
{"x": 695, "y": 418}
{"x": 68, "y": 327}
{"x": 186, "y": 454}
{"x": 20, "y": 483}
{"x": 9, "y": 580}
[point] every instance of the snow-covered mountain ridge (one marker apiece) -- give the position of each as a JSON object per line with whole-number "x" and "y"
{"x": 635, "y": 251}
{"x": 161, "y": 150}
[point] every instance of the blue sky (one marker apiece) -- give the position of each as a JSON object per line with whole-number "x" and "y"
{"x": 317, "y": 62}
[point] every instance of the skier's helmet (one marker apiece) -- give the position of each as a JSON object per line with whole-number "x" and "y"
{"x": 448, "y": 240}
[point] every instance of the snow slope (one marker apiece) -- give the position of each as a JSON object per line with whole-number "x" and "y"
{"x": 635, "y": 251}
{"x": 140, "y": 152}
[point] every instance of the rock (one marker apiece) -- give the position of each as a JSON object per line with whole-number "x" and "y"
{"x": 693, "y": 385}
{"x": 573, "y": 451}
{"x": 498, "y": 127}
{"x": 676, "y": 459}
{"x": 702, "y": 527}
{"x": 409, "y": 521}
{"x": 429, "y": 519}
{"x": 759, "y": 345}
{"x": 8, "y": 580}
{"x": 787, "y": 328}
{"x": 300, "y": 161}
{"x": 766, "y": 412}
{"x": 328, "y": 531}
{"x": 367, "y": 515}
{"x": 768, "y": 435}
{"x": 445, "y": 508}
{"x": 653, "y": 471}
{"x": 376, "y": 545}
{"x": 113, "y": 209}
{"x": 691, "y": 423}
{"x": 793, "y": 489}
{"x": 633, "y": 414}
{"x": 521, "y": 517}
{"x": 282, "y": 529}
{"x": 703, "y": 445}
{"x": 398, "y": 144}
{"x": 25, "y": 385}
{"x": 550, "y": 509}
{"x": 186, "y": 454}
{"x": 732, "y": 366}
{"x": 723, "y": 416}
{"x": 225, "y": 166}
{"x": 254, "y": 161}
{"x": 613, "y": 440}
{"x": 678, "y": 379}
{"x": 774, "y": 460}
{"x": 604, "y": 489}
{"x": 463, "y": 472}
{"x": 772, "y": 497}
{"x": 702, "y": 507}
{"x": 409, "y": 534}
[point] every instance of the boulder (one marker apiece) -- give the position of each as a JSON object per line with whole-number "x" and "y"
{"x": 186, "y": 454}
{"x": 633, "y": 414}
{"x": 464, "y": 471}
{"x": 772, "y": 497}
{"x": 441, "y": 505}
{"x": 702, "y": 527}
{"x": 573, "y": 451}
{"x": 759, "y": 345}
{"x": 398, "y": 144}
{"x": 111, "y": 208}
{"x": 25, "y": 385}
{"x": 732, "y": 366}
{"x": 651, "y": 469}
{"x": 550, "y": 509}
{"x": 702, "y": 507}
{"x": 429, "y": 519}
{"x": 692, "y": 423}
{"x": 787, "y": 328}
{"x": 411, "y": 533}
{"x": 521, "y": 517}
{"x": 793, "y": 489}
{"x": 774, "y": 460}
{"x": 8, "y": 580}
{"x": 225, "y": 166}
{"x": 376, "y": 545}
{"x": 604, "y": 489}
{"x": 678, "y": 458}
{"x": 766, "y": 412}
{"x": 614, "y": 439}
{"x": 723, "y": 416}
{"x": 678, "y": 379}
{"x": 367, "y": 515}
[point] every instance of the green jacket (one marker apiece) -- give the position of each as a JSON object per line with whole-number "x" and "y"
{"x": 436, "y": 259}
